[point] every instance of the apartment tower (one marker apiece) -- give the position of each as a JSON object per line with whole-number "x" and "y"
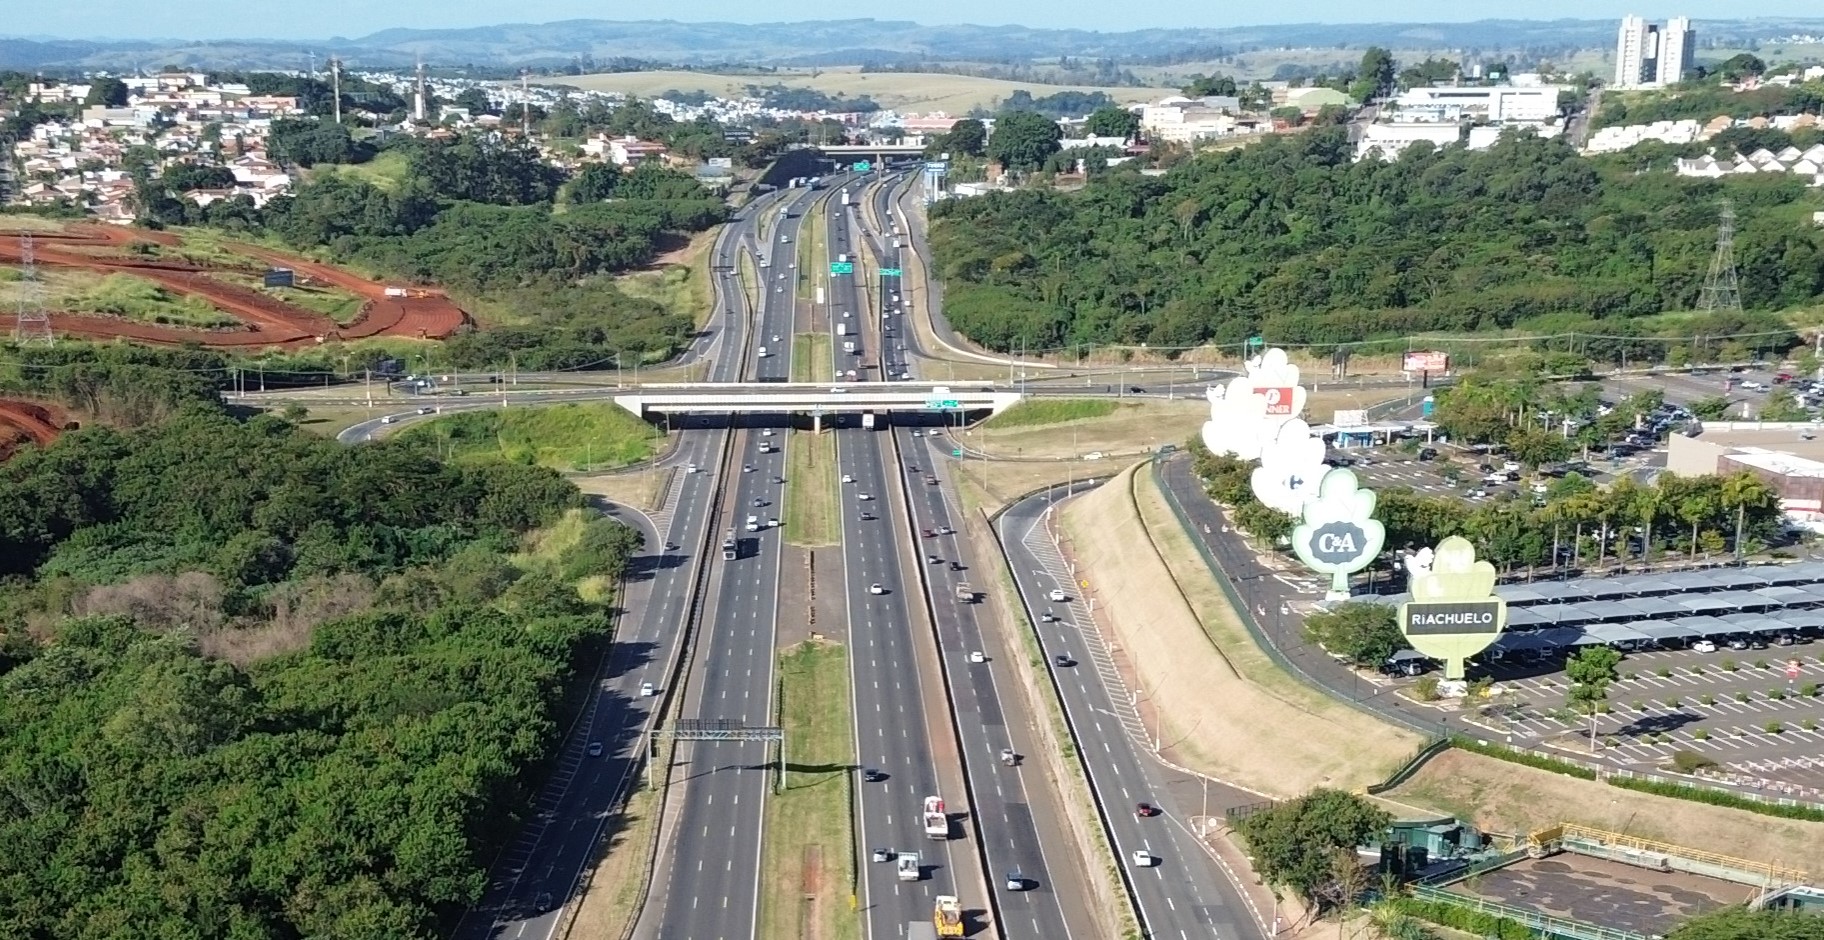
{"x": 1650, "y": 56}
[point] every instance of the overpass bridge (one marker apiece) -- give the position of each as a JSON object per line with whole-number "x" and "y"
{"x": 816, "y": 400}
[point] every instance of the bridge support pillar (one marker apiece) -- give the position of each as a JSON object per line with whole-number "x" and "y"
{"x": 817, "y": 423}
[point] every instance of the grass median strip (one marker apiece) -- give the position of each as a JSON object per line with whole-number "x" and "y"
{"x": 811, "y": 358}
{"x": 809, "y": 864}
{"x": 812, "y": 507}
{"x": 564, "y": 437}
{"x": 1052, "y": 411}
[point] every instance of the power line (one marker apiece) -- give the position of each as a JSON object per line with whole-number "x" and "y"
{"x": 34, "y": 324}
{"x": 1722, "y": 293}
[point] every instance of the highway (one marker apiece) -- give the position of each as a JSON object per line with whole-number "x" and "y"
{"x": 893, "y": 726}
{"x": 707, "y": 884}
{"x": 1183, "y": 893}
{"x": 533, "y": 880}
{"x": 1002, "y": 806}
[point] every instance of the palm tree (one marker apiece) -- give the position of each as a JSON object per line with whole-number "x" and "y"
{"x": 1644, "y": 508}
{"x": 1694, "y": 506}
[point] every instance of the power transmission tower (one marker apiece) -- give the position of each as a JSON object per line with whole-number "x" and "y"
{"x": 34, "y": 325}
{"x": 1722, "y": 292}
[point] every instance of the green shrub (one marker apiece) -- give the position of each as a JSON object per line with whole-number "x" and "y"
{"x": 1809, "y": 690}
{"x": 1760, "y": 664}
{"x": 1716, "y": 798}
{"x": 1707, "y": 699}
{"x": 1426, "y": 688}
{"x": 1729, "y": 665}
{"x": 1742, "y": 696}
{"x": 1690, "y": 762}
{"x": 1774, "y": 727}
{"x": 1701, "y": 734}
{"x": 1665, "y": 673}
{"x": 1776, "y": 694}
{"x": 1526, "y": 758}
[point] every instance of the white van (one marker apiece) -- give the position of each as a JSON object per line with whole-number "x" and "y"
{"x": 763, "y": 352}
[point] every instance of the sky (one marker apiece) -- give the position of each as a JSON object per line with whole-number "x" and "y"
{"x": 322, "y": 19}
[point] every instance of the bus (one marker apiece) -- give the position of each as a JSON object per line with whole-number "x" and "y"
{"x": 729, "y": 549}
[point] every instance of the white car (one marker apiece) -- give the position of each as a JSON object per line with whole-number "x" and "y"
{"x": 595, "y": 748}
{"x": 876, "y": 589}
{"x": 1144, "y": 859}
{"x": 1058, "y": 595}
{"x": 647, "y": 690}
{"x": 691, "y": 468}
{"x": 1703, "y": 646}
{"x": 864, "y": 497}
{"x": 766, "y": 432}
{"x": 847, "y": 479}
{"x": 976, "y": 656}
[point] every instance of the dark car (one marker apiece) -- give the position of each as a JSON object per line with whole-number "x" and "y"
{"x": 1428, "y": 453}
{"x": 1144, "y": 810}
{"x": 871, "y": 775}
{"x": 1063, "y": 661}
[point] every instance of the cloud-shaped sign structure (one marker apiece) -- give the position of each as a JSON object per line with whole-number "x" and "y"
{"x": 1419, "y": 562}
{"x": 1246, "y": 413}
{"x": 1454, "y": 613}
{"x": 1339, "y": 535}
{"x": 1291, "y": 467}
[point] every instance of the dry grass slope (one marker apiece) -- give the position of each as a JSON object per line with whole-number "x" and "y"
{"x": 1227, "y": 710}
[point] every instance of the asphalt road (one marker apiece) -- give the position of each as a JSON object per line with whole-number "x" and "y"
{"x": 892, "y": 722}
{"x": 534, "y": 879}
{"x": 707, "y": 885}
{"x": 1183, "y": 893}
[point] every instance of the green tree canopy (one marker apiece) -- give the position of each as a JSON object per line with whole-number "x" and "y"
{"x": 107, "y": 92}
{"x": 1295, "y": 844}
{"x": 1112, "y": 121}
{"x": 1364, "y": 634}
{"x": 1739, "y": 923}
{"x": 1023, "y": 140}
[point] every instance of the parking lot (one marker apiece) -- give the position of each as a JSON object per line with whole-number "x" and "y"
{"x": 1738, "y": 708}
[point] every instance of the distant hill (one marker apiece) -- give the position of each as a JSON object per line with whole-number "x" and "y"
{"x": 593, "y": 45}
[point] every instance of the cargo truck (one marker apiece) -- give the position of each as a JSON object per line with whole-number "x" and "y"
{"x": 965, "y": 593}
{"x": 867, "y": 420}
{"x": 845, "y": 197}
{"x": 729, "y": 546}
{"x": 947, "y": 916}
{"x": 920, "y": 930}
{"x": 908, "y": 866}
{"x": 937, "y": 823}
{"x": 842, "y": 329}
{"x": 848, "y": 346}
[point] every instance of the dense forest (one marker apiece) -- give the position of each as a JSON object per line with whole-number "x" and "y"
{"x": 492, "y": 221}
{"x": 256, "y": 684}
{"x": 1292, "y": 239}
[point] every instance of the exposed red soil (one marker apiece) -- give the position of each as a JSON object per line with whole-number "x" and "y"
{"x": 24, "y": 422}
{"x": 265, "y": 321}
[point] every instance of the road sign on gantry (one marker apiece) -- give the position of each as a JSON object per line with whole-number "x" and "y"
{"x": 1454, "y": 613}
{"x": 863, "y": 166}
{"x": 842, "y": 267}
{"x": 889, "y": 272}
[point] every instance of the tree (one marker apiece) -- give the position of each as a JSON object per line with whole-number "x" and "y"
{"x": 1740, "y": 923}
{"x": 968, "y": 137}
{"x": 107, "y": 92}
{"x": 1023, "y": 140}
{"x": 1534, "y": 447}
{"x": 1590, "y": 672}
{"x": 1783, "y": 405}
{"x": 1112, "y": 121}
{"x": 1364, "y": 634}
{"x": 475, "y": 100}
{"x": 596, "y": 182}
{"x": 1741, "y": 65}
{"x": 1295, "y": 844}
{"x": 1711, "y": 408}
{"x": 1213, "y": 85}
{"x": 1375, "y": 76}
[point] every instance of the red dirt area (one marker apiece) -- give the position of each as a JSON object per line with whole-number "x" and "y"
{"x": 420, "y": 314}
{"x": 24, "y": 422}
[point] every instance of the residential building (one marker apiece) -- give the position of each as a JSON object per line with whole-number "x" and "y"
{"x": 1501, "y": 104}
{"x": 1649, "y": 56}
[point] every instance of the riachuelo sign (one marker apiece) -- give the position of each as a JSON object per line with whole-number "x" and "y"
{"x": 1454, "y": 613}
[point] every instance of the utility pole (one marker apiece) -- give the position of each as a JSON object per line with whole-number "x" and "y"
{"x": 335, "y": 85}
{"x": 525, "y": 107}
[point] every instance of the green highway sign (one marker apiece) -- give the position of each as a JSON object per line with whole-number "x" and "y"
{"x": 942, "y": 403}
{"x": 863, "y": 166}
{"x": 842, "y": 267}
{"x": 958, "y": 452}
{"x": 889, "y": 272}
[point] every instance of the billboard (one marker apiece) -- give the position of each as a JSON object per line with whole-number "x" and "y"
{"x": 1279, "y": 401}
{"x": 278, "y": 277}
{"x": 1350, "y": 419}
{"x": 1454, "y": 613}
{"x": 1337, "y": 534}
{"x": 1426, "y": 362}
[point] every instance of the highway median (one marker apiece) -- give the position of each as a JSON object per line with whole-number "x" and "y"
{"x": 808, "y": 877}
{"x": 813, "y": 508}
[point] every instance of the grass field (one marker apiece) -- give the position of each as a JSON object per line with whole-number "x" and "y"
{"x": 564, "y": 437}
{"x": 808, "y": 859}
{"x": 386, "y": 171}
{"x": 30, "y": 223}
{"x": 1039, "y": 411}
{"x": 902, "y": 91}
{"x": 1503, "y": 797}
{"x": 1225, "y": 707}
{"x": 813, "y": 510}
{"x": 811, "y": 358}
{"x": 338, "y": 305}
{"x": 682, "y": 282}
{"x": 1123, "y": 428}
{"x": 128, "y": 297}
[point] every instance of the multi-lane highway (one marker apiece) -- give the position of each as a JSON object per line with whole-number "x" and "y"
{"x": 533, "y": 880}
{"x": 1179, "y": 891}
{"x": 707, "y": 883}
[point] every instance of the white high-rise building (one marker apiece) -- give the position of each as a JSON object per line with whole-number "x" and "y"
{"x": 1677, "y": 50}
{"x": 1647, "y": 56}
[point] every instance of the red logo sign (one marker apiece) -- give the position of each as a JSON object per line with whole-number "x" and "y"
{"x": 1426, "y": 362}
{"x": 1279, "y": 400}
{"x": 1792, "y": 669}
